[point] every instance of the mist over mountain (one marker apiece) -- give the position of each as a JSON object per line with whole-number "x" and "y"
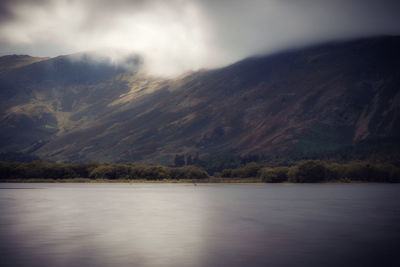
{"x": 300, "y": 103}
{"x": 176, "y": 36}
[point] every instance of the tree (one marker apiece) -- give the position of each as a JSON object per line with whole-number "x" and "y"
{"x": 250, "y": 170}
{"x": 308, "y": 171}
{"x": 274, "y": 175}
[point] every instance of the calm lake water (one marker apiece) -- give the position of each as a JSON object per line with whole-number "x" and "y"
{"x": 203, "y": 225}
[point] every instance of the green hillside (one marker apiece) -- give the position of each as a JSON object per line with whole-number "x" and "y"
{"x": 318, "y": 101}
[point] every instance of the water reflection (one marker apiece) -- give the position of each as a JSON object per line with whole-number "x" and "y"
{"x": 205, "y": 225}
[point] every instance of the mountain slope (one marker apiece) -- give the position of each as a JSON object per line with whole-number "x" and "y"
{"x": 8, "y": 63}
{"x": 308, "y": 101}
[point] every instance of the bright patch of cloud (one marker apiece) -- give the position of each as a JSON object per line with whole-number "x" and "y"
{"x": 174, "y": 36}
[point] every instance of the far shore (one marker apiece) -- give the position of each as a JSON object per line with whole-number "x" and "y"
{"x": 211, "y": 180}
{"x": 88, "y": 180}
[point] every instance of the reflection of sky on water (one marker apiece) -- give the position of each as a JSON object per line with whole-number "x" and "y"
{"x": 107, "y": 225}
{"x": 205, "y": 225}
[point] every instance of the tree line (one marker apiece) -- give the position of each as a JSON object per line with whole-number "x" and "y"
{"x": 307, "y": 171}
{"x": 311, "y": 171}
{"x": 41, "y": 169}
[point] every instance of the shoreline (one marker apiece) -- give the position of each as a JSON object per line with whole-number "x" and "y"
{"x": 212, "y": 180}
{"x": 165, "y": 181}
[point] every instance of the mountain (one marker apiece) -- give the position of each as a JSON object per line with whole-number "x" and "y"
{"x": 306, "y": 102}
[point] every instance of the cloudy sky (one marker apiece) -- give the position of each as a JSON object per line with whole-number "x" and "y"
{"x": 175, "y": 36}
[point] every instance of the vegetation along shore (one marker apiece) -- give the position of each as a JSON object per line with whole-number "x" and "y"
{"x": 309, "y": 171}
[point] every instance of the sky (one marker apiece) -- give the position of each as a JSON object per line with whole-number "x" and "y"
{"x": 175, "y": 36}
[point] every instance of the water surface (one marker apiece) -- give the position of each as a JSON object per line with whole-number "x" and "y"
{"x": 203, "y": 225}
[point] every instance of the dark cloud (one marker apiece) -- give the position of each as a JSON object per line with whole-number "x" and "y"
{"x": 263, "y": 26}
{"x": 178, "y": 35}
{"x": 7, "y": 6}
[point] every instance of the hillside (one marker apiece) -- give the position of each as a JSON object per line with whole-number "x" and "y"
{"x": 308, "y": 102}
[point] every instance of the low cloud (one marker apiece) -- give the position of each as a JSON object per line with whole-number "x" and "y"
{"x": 174, "y": 36}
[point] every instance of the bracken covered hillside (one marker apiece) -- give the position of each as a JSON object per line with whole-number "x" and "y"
{"x": 317, "y": 100}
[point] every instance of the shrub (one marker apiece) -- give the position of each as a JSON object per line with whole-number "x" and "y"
{"x": 105, "y": 171}
{"x": 308, "y": 171}
{"x": 188, "y": 172}
{"x": 334, "y": 171}
{"x": 364, "y": 171}
{"x": 192, "y": 172}
{"x": 274, "y": 175}
{"x": 154, "y": 172}
{"x": 250, "y": 170}
{"x": 83, "y": 170}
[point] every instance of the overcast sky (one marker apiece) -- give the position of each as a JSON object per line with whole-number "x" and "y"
{"x": 175, "y": 36}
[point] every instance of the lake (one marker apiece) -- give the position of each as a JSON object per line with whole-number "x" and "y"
{"x": 204, "y": 225}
